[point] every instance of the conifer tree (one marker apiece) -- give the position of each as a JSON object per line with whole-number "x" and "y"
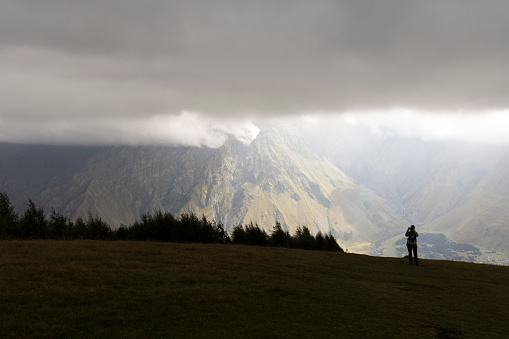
{"x": 279, "y": 237}
{"x": 33, "y": 224}
{"x": 8, "y": 218}
{"x": 58, "y": 226}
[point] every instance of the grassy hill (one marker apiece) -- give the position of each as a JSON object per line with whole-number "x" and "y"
{"x": 147, "y": 289}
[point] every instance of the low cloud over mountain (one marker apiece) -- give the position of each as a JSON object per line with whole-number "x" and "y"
{"x": 85, "y": 72}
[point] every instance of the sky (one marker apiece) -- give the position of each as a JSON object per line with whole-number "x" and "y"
{"x": 193, "y": 72}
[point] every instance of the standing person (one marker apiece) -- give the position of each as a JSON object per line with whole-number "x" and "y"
{"x": 411, "y": 244}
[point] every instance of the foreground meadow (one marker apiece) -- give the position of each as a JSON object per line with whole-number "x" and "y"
{"x": 150, "y": 289}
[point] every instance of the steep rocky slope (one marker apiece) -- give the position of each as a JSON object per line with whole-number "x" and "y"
{"x": 275, "y": 178}
{"x": 364, "y": 189}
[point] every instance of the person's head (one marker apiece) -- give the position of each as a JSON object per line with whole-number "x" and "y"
{"x": 412, "y": 227}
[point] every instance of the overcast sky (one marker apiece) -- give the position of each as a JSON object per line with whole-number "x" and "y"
{"x": 191, "y": 72}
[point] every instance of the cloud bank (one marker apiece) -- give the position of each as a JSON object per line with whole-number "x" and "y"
{"x": 72, "y": 68}
{"x": 186, "y": 129}
{"x": 487, "y": 128}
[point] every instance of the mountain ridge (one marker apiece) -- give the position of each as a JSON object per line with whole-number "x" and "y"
{"x": 362, "y": 189}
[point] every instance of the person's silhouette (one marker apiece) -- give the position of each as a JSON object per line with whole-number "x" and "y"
{"x": 411, "y": 244}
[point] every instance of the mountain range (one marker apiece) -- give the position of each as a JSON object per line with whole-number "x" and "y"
{"x": 458, "y": 189}
{"x": 364, "y": 189}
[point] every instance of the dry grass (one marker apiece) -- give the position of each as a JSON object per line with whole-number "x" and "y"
{"x": 147, "y": 289}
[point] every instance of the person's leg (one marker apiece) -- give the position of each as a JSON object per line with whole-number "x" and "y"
{"x": 415, "y": 254}
{"x": 409, "y": 247}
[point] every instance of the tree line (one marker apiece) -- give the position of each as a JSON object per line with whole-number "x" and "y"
{"x": 160, "y": 226}
{"x": 252, "y": 234}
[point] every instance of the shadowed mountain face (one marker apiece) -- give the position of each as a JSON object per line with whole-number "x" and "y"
{"x": 363, "y": 189}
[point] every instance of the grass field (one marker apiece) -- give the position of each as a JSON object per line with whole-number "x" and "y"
{"x": 148, "y": 289}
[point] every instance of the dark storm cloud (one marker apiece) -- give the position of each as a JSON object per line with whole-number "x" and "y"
{"x": 133, "y": 59}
